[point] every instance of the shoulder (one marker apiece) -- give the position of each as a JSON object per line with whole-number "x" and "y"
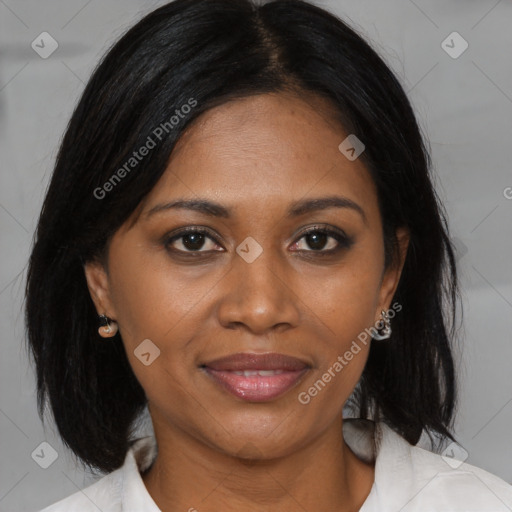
{"x": 417, "y": 479}
{"x": 467, "y": 485}
{"x": 119, "y": 489}
{"x": 104, "y": 495}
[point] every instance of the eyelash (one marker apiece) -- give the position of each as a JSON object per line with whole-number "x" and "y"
{"x": 344, "y": 241}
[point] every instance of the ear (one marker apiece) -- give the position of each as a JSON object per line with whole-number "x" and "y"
{"x": 99, "y": 288}
{"x": 392, "y": 274}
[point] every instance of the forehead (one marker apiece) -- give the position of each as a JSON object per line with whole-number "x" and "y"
{"x": 264, "y": 151}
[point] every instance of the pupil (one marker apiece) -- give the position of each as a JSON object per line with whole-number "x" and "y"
{"x": 317, "y": 240}
{"x": 193, "y": 241}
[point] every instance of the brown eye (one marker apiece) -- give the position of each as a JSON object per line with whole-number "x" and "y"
{"x": 191, "y": 240}
{"x": 318, "y": 240}
{"x": 323, "y": 240}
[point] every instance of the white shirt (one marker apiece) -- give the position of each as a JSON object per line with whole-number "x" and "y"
{"x": 407, "y": 479}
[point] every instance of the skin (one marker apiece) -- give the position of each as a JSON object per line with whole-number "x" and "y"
{"x": 255, "y": 156}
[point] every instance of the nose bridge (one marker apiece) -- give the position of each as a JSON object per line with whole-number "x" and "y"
{"x": 260, "y": 277}
{"x": 258, "y": 295}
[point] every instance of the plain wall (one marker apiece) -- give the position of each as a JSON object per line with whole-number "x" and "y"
{"x": 464, "y": 106}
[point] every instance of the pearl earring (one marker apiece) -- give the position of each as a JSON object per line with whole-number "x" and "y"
{"x": 108, "y": 327}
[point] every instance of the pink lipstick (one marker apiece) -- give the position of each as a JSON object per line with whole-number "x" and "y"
{"x": 256, "y": 377}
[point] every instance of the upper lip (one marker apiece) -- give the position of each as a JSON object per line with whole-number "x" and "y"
{"x": 252, "y": 361}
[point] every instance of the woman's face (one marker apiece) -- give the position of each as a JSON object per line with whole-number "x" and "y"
{"x": 255, "y": 283}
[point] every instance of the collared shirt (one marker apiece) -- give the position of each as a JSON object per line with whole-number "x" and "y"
{"x": 407, "y": 479}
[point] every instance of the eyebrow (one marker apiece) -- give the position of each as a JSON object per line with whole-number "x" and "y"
{"x": 297, "y": 209}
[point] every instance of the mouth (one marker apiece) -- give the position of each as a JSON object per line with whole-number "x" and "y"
{"x": 256, "y": 377}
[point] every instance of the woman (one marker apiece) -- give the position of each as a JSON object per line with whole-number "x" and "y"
{"x": 241, "y": 234}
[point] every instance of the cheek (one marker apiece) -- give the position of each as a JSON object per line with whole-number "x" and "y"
{"x": 345, "y": 306}
{"x": 171, "y": 307}
{"x": 151, "y": 297}
{"x": 163, "y": 307}
{"x": 348, "y": 299}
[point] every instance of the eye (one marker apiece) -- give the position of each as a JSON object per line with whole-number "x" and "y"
{"x": 323, "y": 240}
{"x": 192, "y": 240}
{"x": 196, "y": 240}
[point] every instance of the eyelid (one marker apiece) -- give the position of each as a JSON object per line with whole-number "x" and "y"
{"x": 178, "y": 233}
{"x": 324, "y": 228}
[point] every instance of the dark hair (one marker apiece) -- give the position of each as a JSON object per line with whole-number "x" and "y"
{"x": 205, "y": 53}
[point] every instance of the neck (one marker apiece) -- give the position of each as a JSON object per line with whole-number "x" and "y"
{"x": 324, "y": 475}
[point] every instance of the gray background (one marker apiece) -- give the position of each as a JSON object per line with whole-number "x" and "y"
{"x": 464, "y": 106}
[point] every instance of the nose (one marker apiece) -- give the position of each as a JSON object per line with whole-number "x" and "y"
{"x": 259, "y": 296}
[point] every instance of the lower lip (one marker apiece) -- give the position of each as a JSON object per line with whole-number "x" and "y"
{"x": 256, "y": 388}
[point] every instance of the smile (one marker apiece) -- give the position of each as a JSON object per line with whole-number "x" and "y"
{"x": 256, "y": 385}
{"x": 256, "y": 377}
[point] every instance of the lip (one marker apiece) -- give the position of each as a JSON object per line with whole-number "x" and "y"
{"x": 252, "y": 361}
{"x": 256, "y": 377}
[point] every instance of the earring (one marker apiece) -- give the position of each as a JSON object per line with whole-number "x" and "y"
{"x": 386, "y": 331}
{"x": 107, "y": 329}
